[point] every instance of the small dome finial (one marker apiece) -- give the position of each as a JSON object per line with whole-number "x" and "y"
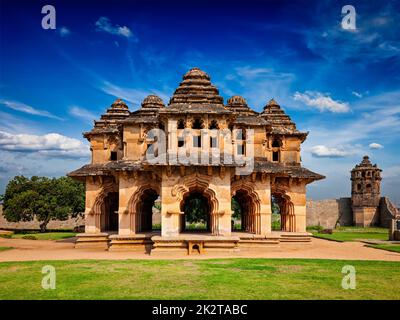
{"x": 152, "y": 101}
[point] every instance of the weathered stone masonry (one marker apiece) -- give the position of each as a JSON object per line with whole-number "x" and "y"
{"x": 122, "y": 184}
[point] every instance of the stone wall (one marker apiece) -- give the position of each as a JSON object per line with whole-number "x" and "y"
{"x": 34, "y": 225}
{"x": 387, "y": 212}
{"x": 327, "y": 213}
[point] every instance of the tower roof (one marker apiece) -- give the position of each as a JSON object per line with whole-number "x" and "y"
{"x": 117, "y": 110}
{"x": 365, "y": 164}
{"x": 239, "y": 105}
{"x": 152, "y": 102}
{"x": 196, "y": 94}
{"x": 277, "y": 117}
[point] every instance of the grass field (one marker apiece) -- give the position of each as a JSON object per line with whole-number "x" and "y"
{"x": 354, "y": 234}
{"x": 5, "y": 248}
{"x": 387, "y": 247}
{"x": 201, "y": 279}
{"x": 35, "y": 235}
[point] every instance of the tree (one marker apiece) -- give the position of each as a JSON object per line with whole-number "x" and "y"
{"x": 43, "y": 198}
{"x": 196, "y": 209}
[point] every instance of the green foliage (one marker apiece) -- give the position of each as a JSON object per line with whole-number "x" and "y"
{"x": 354, "y": 234}
{"x": 276, "y": 221}
{"x": 387, "y": 247}
{"x": 315, "y": 228}
{"x": 29, "y": 237}
{"x": 275, "y": 208}
{"x": 196, "y": 209}
{"x": 44, "y": 198}
{"x": 237, "y": 211}
{"x": 34, "y": 235}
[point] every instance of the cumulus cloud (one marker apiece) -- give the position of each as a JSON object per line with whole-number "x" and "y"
{"x": 322, "y": 102}
{"x": 21, "y": 107}
{"x": 104, "y": 24}
{"x": 322, "y": 151}
{"x": 375, "y": 145}
{"x": 52, "y": 144}
{"x": 82, "y": 113}
{"x": 64, "y": 32}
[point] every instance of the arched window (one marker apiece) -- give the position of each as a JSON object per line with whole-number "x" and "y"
{"x": 197, "y": 124}
{"x": 358, "y": 186}
{"x": 213, "y": 125}
{"x": 276, "y": 143}
{"x": 181, "y": 124}
{"x": 369, "y": 187}
{"x": 113, "y": 155}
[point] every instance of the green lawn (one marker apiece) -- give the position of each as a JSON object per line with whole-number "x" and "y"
{"x": 388, "y": 247}
{"x": 5, "y": 248}
{"x": 354, "y": 234}
{"x": 33, "y": 235}
{"x": 201, "y": 279}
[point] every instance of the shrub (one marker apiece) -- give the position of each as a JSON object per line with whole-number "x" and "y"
{"x": 29, "y": 237}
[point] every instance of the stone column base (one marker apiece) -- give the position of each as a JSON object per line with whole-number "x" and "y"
{"x": 92, "y": 240}
{"x": 135, "y": 242}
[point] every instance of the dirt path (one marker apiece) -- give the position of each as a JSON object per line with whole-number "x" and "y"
{"x": 28, "y": 250}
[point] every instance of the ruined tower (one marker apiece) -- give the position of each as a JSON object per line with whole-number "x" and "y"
{"x": 365, "y": 193}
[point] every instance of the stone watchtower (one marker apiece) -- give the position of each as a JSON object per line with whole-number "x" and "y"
{"x": 365, "y": 193}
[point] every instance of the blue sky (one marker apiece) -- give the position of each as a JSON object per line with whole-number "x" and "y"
{"x": 341, "y": 85}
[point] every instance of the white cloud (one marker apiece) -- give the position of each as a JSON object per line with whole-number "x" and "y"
{"x": 82, "y": 113}
{"x": 357, "y": 94}
{"x": 134, "y": 96}
{"x": 19, "y": 106}
{"x": 321, "y": 101}
{"x": 104, "y": 24}
{"x": 375, "y": 145}
{"x": 64, "y": 32}
{"x": 249, "y": 81}
{"x": 322, "y": 151}
{"x": 52, "y": 144}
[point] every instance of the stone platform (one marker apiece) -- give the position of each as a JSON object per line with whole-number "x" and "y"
{"x": 191, "y": 243}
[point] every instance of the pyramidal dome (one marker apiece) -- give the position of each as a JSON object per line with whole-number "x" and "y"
{"x": 196, "y": 88}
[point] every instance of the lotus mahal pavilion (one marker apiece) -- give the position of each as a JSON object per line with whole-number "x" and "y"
{"x": 123, "y": 183}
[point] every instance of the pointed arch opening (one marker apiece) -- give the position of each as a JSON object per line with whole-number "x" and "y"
{"x": 145, "y": 207}
{"x": 244, "y": 216}
{"x": 283, "y": 217}
{"x": 197, "y": 211}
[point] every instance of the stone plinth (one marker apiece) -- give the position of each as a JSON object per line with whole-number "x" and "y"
{"x": 135, "y": 242}
{"x": 92, "y": 240}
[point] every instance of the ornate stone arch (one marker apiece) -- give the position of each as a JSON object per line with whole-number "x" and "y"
{"x": 105, "y": 189}
{"x": 133, "y": 203}
{"x": 288, "y": 219}
{"x": 252, "y": 218}
{"x": 96, "y": 212}
{"x": 199, "y": 182}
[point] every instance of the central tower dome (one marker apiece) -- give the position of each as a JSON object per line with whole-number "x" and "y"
{"x": 196, "y": 88}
